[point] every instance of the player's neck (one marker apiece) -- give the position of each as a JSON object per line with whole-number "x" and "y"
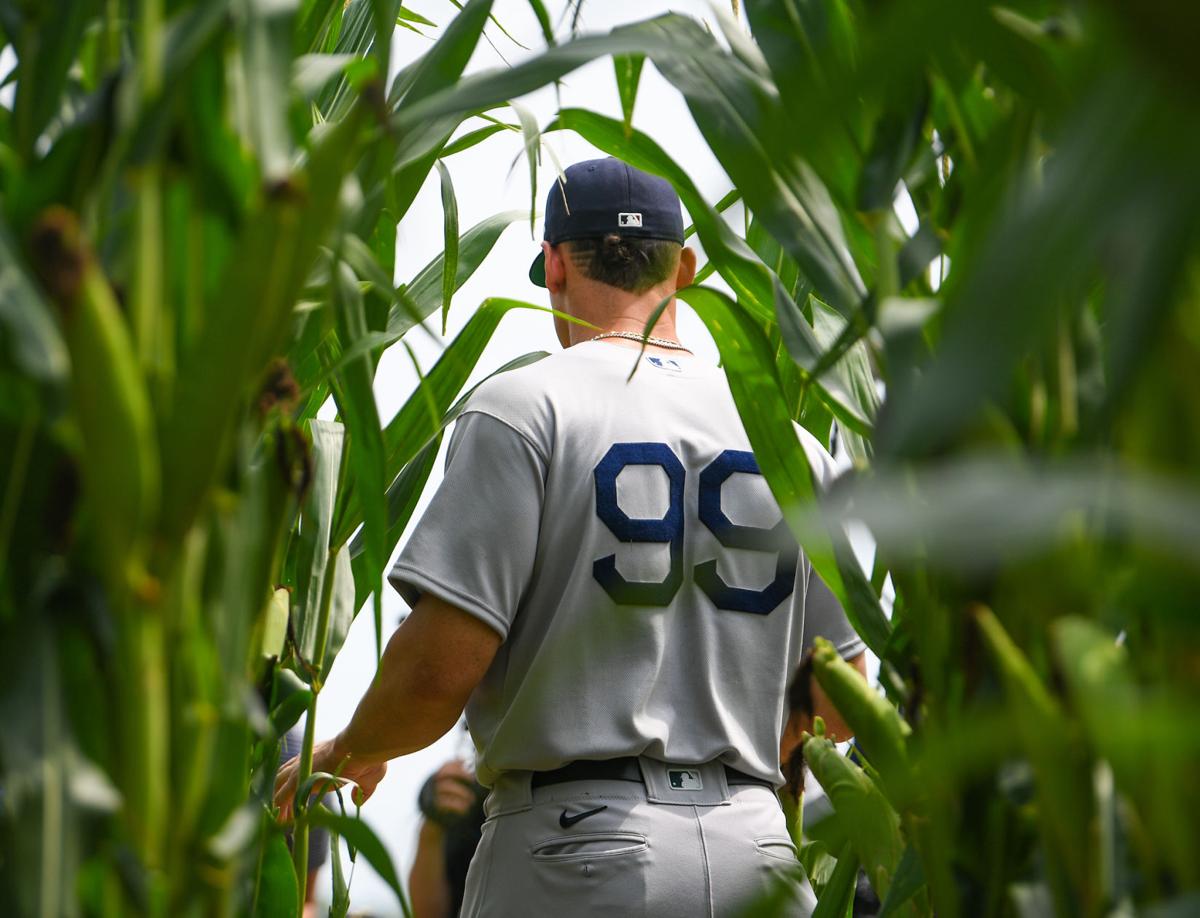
{"x": 629, "y": 314}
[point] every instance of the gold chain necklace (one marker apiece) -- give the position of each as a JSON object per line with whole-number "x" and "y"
{"x": 650, "y": 339}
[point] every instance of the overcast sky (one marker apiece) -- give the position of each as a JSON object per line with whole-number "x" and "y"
{"x": 490, "y": 178}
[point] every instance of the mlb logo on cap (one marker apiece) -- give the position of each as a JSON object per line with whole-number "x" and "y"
{"x": 629, "y": 219}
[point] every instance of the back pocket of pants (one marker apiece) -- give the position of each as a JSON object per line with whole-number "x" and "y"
{"x": 779, "y": 847}
{"x": 588, "y": 846}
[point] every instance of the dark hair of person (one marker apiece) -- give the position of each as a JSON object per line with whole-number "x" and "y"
{"x": 628, "y": 263}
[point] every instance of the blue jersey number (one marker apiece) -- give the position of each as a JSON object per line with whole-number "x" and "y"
{"x": 627, "y": 529}
{"x": 670, "y": 529}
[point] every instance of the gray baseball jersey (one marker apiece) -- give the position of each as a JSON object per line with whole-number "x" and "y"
{"x": 620, "y": 539}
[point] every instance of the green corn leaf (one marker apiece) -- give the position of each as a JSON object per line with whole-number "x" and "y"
{"x": 897, "y": 134}
{"x": 533, "y": 139}
{"x": 838, "y": 894}
{"x": 366, "y": 264}
{"x": 290, "y": 698}
{"x": 313, "y": 563}
{"x": 313, "y": 72}
{"x": 442, "y": 66}
{"x": 407, "y": 311}
{"x": 470, "y": 139}
{"x": 473, "y": 247}
{"x": 340, "y": 905}
{"x": 362, "y": 839}
{"x": 808, "y": 346}
{"x": 31, "y": 338}
{"x": 747, "y": 129}
{"x": 412, "y": 152}
{"x": 878, "y": 727}
{"x": 355, "y": 397}
{"x": 1150, "y": 764}
{"x": 907, "y": 881}
{"x": 402, "y": 497}
{"x": 251, "y": 531}
{"x": 450, "y": 241}
{"x": 249, "y": 321}
{"x": 412, "y": 427}
{"x": 852, "y": 373}
{"x": 1047, "y": 739}
{"x": 543, "y": 18}
{"x": 749, "y": 364}
{"x": 870, "y": 823}
{"x": 1053, "y": 239}
{"x": 810, "y": 49}
{"x": 314, "y": 21}
{"x": 111, "y": 403}
{"x": 488, "y": 89}
{"x": 266, "y": 34}
{"x": 628, "y": 69}
{"x": 731, "y": 198}
{"x": 385, "y": 14}
{"x": 408, "y": 15}
{"x": 276, "y": 892}
{"x": 46, "y": 39}
{"x": 355, "y": 34}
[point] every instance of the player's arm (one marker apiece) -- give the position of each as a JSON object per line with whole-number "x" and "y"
{"x": 809, "y": 701}
{"x": 823, "y": 617}
{"x": 429, "y": 669}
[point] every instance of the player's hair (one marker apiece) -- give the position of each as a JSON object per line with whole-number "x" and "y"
{"x": 628, "y": 263}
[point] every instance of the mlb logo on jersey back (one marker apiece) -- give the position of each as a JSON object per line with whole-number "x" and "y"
{"x": 664, "y": 363}
{"x": 629, "y": 219}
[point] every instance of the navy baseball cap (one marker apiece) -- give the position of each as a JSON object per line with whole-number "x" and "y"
{"x": 602, "y": 196}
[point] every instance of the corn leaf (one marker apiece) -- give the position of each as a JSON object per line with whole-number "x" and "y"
{"x": 361, "y": 839}
{"x": 749, "y": 364}
{"x": 32, "y": 342}
{"x": 419, "y": 420}
{"x": 266, "y": 32}
{"x": 628, "y": 69}
{"x": 355, "y": 399}
{"x": 450, "y": 241}
{"x": 872, "y": 826}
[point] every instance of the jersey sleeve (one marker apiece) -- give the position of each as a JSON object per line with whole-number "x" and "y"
{"x": 824, "y": 617}
{"x": 474, "y": 546}
{"x": 823, "y": 614}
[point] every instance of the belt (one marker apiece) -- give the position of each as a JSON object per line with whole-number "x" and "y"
{"x": 623, "y": 769}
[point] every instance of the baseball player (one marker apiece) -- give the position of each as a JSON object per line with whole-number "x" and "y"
{"x": 605, "y": 582}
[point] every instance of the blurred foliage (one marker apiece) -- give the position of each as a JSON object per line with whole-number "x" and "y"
{"x": 198, "y": 210}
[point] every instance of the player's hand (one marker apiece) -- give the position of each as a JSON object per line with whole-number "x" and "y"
{"x": 327, "y": 757}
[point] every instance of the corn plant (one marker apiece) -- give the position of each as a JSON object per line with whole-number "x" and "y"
{"x": 199, "y": 209}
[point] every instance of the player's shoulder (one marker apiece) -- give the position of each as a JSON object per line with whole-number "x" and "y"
{"x": 522, "y": 398}
{"x": 514, "y": 390}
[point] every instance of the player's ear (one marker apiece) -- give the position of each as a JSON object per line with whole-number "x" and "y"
{"x": 556, "y": 272}
{"x": 687, "y": 268}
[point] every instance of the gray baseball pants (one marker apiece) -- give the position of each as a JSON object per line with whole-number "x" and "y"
{"x": 675, "y": 845}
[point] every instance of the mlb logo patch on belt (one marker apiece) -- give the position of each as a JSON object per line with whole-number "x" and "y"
{"x": 684, "y": 779}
